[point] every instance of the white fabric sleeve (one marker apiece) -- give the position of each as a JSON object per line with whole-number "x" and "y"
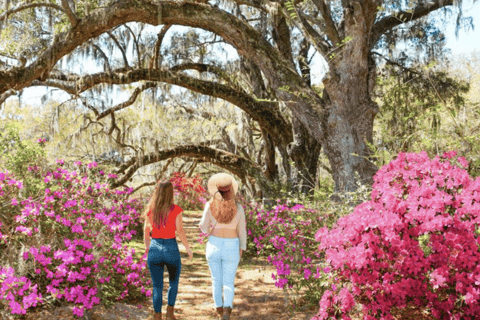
{"x": 205, "y": 221}
{"x": 242, "y": 228}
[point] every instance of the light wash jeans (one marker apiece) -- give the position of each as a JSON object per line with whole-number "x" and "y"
{"x": 223, "y": 256}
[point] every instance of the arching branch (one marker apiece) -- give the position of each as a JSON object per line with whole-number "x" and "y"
{"x": 265, "y": 112}
{"x": 6, "y": 95}
{"x": 202, "y": 67}
{"x": 402, "y": 17}
{"x": 233, "y": 163}
{"x": 26, "y": 6}
{"x": 249, "y": 42}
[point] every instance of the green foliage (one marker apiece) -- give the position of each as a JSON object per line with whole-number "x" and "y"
{"x": 291, "y": 9}
{"x": 425, "y": 110}
{"x": 19, "y": 156}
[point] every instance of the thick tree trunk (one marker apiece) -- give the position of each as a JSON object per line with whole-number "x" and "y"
{"x": 270, "y": 169}
{"x": 287, "y": 168}
{"x": 349, "y": 128}
{"x": 305, "y": 152}
{"x": 349, "y": 120}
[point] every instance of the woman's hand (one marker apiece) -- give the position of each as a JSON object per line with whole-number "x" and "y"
{"x": 241, "y": 253}
{"x": 190, "y": 254}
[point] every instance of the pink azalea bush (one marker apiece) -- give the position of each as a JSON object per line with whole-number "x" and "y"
{"x": 285, "y": 235}
{"x": 412, "y": 249}
{"x": 70, "y": 242}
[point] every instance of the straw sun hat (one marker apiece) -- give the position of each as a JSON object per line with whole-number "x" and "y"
{"x": 221, "y": 182}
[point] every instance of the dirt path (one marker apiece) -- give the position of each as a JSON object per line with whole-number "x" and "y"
{"x": 256, "y": 296}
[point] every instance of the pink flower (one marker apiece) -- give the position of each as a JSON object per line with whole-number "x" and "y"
{"x": 24, "y": 230}
{"x": 463, "y": 161}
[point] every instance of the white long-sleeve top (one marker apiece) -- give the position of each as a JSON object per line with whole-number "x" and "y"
{"x": 238, "y": 223}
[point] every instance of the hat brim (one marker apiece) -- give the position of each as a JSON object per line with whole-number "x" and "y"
{"x": 212, "y": 185}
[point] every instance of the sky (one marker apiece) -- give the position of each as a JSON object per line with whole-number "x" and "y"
{"x": 467, "y": 41}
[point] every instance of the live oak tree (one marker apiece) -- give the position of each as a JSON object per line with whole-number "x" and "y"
{"x": 273, "y": 40}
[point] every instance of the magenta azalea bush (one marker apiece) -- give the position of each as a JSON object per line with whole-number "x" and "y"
{"x": 413, "y": 249}
{"x": 285, "y": 235}
{"x": 69, "y": 243}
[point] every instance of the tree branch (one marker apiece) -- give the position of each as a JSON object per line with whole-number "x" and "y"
{"x": 402, "y": 17}
{"x": 124, "y": 55}
{"x": 158, "y": 44}
{"x": 331, "y": 29}
{"x": 136, "y": 46}
{"x": 68, "y": 11}
{"x": 23, "y": 6}
{"x": 129, "y": 102}
{"x": 104, "y": 56}
{"x": 265, "y": 112}
{"x": 315, "y": 39}
{"x": 145, "y": 184}
{"x": 7, "y": 95}
{"x": 259, "y": 4}
{"x": 202, "y": 67}
{"x": 234, "y": 163}
{"x": 281, "y": 36}
{"x": 249, "y": 43}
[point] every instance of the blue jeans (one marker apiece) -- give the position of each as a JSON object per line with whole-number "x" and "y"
{"x": 223, "y": 256}
{"x": 164, "y": 252}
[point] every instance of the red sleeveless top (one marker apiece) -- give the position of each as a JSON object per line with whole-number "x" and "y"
{"x": 168, "y": 231}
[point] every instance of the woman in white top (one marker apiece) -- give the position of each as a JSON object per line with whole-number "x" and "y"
{"x": 224, "y": 220}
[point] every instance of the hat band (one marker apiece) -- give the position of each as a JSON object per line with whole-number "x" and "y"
{"x": 224, "y": 189}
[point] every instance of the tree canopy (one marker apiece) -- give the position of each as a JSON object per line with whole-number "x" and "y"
{"x": 269, "y": 78}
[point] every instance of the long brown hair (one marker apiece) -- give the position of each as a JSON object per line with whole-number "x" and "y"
{"x": 223, "y": 208}
{"x": 160, "y": 204}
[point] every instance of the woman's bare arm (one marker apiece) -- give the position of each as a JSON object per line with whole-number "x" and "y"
{"x": 182, "y": 235}
{"x": 146, "y": 236}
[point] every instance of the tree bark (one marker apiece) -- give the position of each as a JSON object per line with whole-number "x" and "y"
{"x": 270, "y": 170}
{"x": 305, "y": 152}
{"x": 348, "y": 124}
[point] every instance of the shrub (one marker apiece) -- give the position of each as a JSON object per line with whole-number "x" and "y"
{"x": 69, "y": 243}
{"x": 285, "y": 235}
{"x": 22, "y": 158}
{"x": 412, "y": 249}
{"x": 189, "y": 192}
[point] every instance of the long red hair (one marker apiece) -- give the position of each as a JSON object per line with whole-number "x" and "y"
{"x": 223, "y": 208}
{"x": 160, "y": 204}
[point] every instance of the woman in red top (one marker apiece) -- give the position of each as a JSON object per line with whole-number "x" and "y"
{"x": 162, "y": 218}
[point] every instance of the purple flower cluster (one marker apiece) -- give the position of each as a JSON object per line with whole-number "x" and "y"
{"x": 285, "y": 235}
{"x": 76, "y": 235}
{"x": 19, "y": 292}
{"x": 413, "y": 246}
